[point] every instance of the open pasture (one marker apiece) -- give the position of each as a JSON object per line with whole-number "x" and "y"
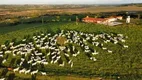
{"x": 108, "y": 55}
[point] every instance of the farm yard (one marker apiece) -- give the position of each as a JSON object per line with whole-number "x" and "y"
{"x": 66, "y": 48}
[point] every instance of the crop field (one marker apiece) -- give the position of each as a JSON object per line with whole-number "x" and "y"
{"x": 114, "y": 54}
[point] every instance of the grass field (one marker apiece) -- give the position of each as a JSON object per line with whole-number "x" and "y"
{"x": 126, "y": 63}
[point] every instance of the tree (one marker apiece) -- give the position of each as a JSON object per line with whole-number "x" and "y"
{"x": 77, "y": 20}
{"x": 11, "y": 76}
{"x": 33, "y": 77}
{"x": 4, "y": 72}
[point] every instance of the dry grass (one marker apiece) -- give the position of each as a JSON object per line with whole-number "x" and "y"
{"x": 68, "y": 78}
{"x": 61, "y": 40}
{"x": 105, "y": 9}
{"x": 78, "y": 10}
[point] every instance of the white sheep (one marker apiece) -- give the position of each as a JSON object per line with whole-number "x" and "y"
{"x": 22, "y": 71}
{"x": 62, "y": 64}
{"x": 43, "y": 73}
{"x": 34, "y": 72}
{"x": 109, "y": 51}
{"x": 16, "y": 69}
{"x": 2, "y": 78}
{"x": 125, "y": 46}
{"x": 28, "y": 71}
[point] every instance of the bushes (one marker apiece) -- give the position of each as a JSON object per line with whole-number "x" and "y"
{"x": 4, "y": 72}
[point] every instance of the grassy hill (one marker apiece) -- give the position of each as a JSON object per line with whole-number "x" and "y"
{"x": 126, "y": 63}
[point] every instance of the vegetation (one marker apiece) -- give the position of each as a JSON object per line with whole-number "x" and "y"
{"x": 123, "y": 63}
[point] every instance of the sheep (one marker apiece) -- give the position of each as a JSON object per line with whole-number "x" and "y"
{"x": 16, "y": 69}
{"x": 67, "y": 55}
{"x": 58, "y": 57}
{"x": 86, "y": 47}
{"x": 21, "y": 63}
{"x": 4, "y": 61}
{"x": 93, "y": 58}
{"x": 104, "y": 48}
{"x": 30, "y": 61}
{"x": 34, "y": 72}
{"x": 43, "y": 60}
{"x": 24, "y": 40}
{"x": 45, "y": 63}
{"x": 1, "y": 52}
{"x": 94, "y": 53}
{"x": 58, "y": 53}
{"x": 7, "y": 52}
{"x": 48, "y": 54}
{"x": 22, "y": 71}
{"x": 52, "y": 61}
{"x": 97, "y": 43}
{"x": 71, "y": 64}
{"x": 28, "y": 71}
{"x": 87, "y": 51}
{"x": 73, "y": 48}
{"x": 122, "y": 40}
{"x": 115, "y": 42}
{"x": 39, "y": 62}
{"x": 1, "y": 55}
{"x": 109, "y": 51}
{"x": 121, "y": 35}
{"x": 33, "y": 64}
{"x": 74, "y": 55}
{"x": 2, "y": 46}
{"x": 62, "y": 48}
{"x": 11, "y": 43}
{"x": 125, "y": 46}
{"x": 22, "y": 59}
{"x": 78, "y": 52}
{"x": 53, "y": 56}
{"x": 2, "y": 78}
{"x": 43, "y": 73}
{"x": 56, "y": 61}
{"x": 38, "y": 54}
{"x": 69, "y": 61}
{"x": 62, "y": 64}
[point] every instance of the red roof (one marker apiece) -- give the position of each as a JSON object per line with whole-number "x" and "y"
{"x": 93, "y": 19}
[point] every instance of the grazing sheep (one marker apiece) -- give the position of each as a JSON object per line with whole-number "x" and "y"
{"x": 43, "y": 73}
{"x": 4, "y": 61}
{"x": 71, "y": 64}
{"x": 109, "y": 51}
{"x": 45, "y": 47}
{"x": 125, "y": 46}
{"x": 62, "y": 65}
{"x": 93, "y": 58}
{"x": 104, "y": 48}
{"x": 34, "y": 72}
{"x": 28, "y": 71}
{"x": 94, "y": 53}
{"x": 16, "y": 69}
{"x": 22, "y": 71}
{"x": 2, "y": 78}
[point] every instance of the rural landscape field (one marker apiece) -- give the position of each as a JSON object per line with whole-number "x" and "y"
{"x": 71, "y": 42}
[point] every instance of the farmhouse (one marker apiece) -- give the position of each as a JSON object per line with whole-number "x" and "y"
{"x": 93, "y": 20}
{"x": 106, "y": 21}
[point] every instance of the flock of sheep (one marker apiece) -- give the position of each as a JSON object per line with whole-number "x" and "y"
{"x": 45, "y": 49}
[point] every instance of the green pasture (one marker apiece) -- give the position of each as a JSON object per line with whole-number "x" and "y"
{"x": 126, "y": 63}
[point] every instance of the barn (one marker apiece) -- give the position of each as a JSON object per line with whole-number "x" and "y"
{"x": 93, "y": 20}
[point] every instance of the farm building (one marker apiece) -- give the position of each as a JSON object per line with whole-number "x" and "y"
{"x": 105, "y": 21}
{"x": 93, "y": 20}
